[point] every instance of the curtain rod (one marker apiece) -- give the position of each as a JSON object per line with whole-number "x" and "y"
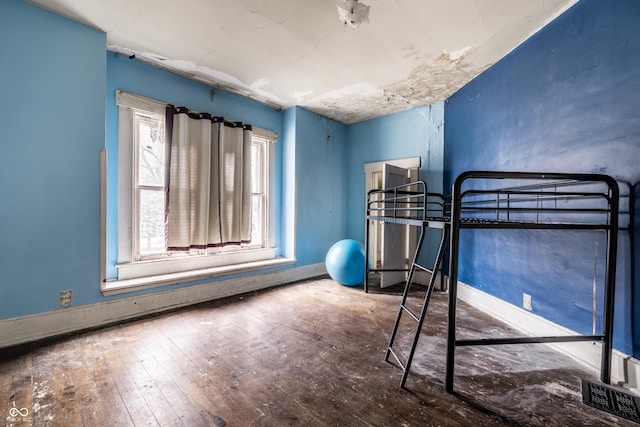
{"x": 206, "y": 116}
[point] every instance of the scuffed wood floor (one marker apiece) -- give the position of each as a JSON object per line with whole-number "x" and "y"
{"x": 309, "y": 354}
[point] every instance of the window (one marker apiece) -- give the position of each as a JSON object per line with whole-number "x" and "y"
{"x": 259, "y": 198}
{"x": 142, "y": 157}
{"x": 149, "y": 146}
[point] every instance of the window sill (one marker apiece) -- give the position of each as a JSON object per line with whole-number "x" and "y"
{"x": 161, "y": 266}
{"x": 120, "y": 286}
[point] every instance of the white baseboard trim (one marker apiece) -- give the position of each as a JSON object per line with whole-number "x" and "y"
{"x": 625, "y": 370}
{"x": 19, "y": 330}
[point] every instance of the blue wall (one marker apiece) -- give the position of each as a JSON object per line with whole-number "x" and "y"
{"x": 58, "y": 112}
{"x": 567, "y": 101}
{"x": 320, "y": 174}
{"x": 309, "y": 166}
{"x": 635, "y": 272}
{"x": 52, "y": 82}
{"x": 414, "y": 133}
{"x": 289, "y": 182}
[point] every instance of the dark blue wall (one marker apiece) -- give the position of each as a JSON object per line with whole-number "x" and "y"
{"x": 567, "y": 101}
{"x": 635, "y": 272}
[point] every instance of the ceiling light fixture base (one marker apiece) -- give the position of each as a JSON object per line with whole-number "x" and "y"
{"x": 352, "y": 13}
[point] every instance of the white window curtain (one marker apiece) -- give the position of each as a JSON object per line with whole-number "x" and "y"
{"x": 209, "y": 181}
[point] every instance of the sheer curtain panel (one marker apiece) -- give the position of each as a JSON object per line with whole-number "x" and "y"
{"x": 209, "y": 188}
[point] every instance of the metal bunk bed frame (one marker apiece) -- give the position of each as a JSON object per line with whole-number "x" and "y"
{"x": 531, "y": 206}
{"x": 536, "y": 206}
{"x": 408, "y": 204}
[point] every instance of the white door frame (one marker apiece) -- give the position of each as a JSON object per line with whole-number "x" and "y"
{"x": 373, "y": 173}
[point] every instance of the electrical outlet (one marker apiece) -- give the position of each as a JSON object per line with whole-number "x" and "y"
{"x": 66, "y": 298}
{"x": 526, "y": 302}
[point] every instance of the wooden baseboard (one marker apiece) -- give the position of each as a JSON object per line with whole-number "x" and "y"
{"x": 19, "y": 330}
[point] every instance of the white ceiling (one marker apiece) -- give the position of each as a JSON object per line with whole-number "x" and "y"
{"x": 296, "y": 52}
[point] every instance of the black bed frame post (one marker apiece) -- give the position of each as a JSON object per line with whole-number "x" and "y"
{"x": 366, "y": 245}
{"x": 453, "y": 283}
{"x": 610, "y": 281}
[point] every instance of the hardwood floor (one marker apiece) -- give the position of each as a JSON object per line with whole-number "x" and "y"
{"x": 307, "y": 354}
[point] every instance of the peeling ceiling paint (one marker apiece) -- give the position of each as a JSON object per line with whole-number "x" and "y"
{"x": 296, "y": 52}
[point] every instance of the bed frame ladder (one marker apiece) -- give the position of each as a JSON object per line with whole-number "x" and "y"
{"x": 405, "y": 310}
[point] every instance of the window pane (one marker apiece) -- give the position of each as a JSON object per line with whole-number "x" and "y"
{"x": 256, "y": 168}
{"x": 151, "y": 151}
{"x": 256, "y": 219}
{"x": 151, "y": 230}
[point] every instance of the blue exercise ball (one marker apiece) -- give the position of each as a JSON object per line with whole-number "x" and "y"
{"x": 345, "y": 262}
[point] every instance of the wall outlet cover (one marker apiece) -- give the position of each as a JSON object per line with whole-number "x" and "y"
{"x": 66, "y": 298}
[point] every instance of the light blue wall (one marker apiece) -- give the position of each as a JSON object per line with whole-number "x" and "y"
{"x": 52, "y": 77}
{"x": 58, "y": 113}
{"x": 325, "y": 160}
{"x": 320, "y": 175}
{"x": 289, "y": 182}
{"x": 414, "y": 133}
{"x": 313, "y": 173}
{"x": 567, "y": 101}
{"x": 304, "y": 156}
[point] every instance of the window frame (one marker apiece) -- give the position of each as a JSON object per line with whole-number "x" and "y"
{"x": 135, "y": 274}
{"x": 137, "y": 116}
